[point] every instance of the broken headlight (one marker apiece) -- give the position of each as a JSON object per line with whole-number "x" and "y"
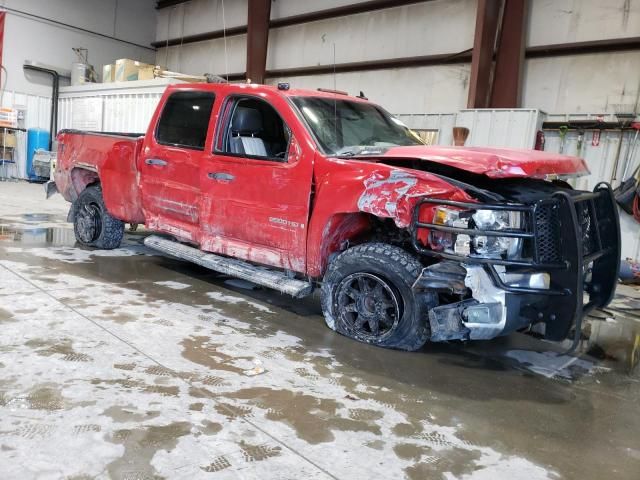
{"x": 496, "y": 220}
{"x": 460, "y": 244}
{"x": 481, "y": 245}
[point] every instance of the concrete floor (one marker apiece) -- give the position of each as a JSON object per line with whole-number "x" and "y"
{"x": 124, "y": 364}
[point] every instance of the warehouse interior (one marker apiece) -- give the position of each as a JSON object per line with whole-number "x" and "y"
{"x": 184, "y": 224}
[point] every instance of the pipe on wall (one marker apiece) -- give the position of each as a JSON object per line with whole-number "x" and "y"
{"x": 55, "y": 87}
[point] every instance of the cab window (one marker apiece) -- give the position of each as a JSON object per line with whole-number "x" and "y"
{"x": 185, "y": 119}
{"x": 252, "y": 128}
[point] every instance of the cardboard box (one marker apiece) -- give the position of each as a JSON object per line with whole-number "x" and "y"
{"x": 8, "y": 139}
{"x": 128, "y": 70}
{"x": 109, "y": 73}
{"x": 146, "y": 73}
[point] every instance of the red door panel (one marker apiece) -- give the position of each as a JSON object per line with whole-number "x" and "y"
{"x": 170, "y": 163}
{"x": 170, "y": 190}
{"x": 257, "y": 209}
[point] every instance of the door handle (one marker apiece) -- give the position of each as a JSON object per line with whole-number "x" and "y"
{"x": 155, "y": 161}
{"x": 221, "y": 176}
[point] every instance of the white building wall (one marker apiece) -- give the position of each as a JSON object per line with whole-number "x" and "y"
{"x": 199, "y": 16}
{"x": 28, "y": 38}
{"x": 413, "y": 30}
{"x": 206, "y": 57}
{"x": 582, "y": 83}
{"x": 591, "y": 83}
{"x": 437, "y": 89}
{"x": 566, "y": 21}
{"x": 568, "y": 84}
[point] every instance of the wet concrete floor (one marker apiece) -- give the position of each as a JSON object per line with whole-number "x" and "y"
{"x": 128, "y": 365}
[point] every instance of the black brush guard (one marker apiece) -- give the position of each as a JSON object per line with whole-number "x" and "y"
{"x": 573, "y": 236}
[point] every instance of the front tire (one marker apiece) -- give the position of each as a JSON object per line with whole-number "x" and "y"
{"x": 92, "y": 223}
{"x": 367, "y": 295}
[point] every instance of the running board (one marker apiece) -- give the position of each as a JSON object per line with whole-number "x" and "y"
{"x": 232, "y": 267}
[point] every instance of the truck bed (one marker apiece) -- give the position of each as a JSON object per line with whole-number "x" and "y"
{"x": 108, "y": 157}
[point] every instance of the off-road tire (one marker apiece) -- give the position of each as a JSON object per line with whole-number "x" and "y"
{"x": 399, "y": 270}
{"x": 92, "y": 224}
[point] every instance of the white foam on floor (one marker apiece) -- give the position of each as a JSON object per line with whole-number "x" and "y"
{"x": 232, "y": 299}
{"x": 77, "y": 255}
{"x": 173, "y": 285}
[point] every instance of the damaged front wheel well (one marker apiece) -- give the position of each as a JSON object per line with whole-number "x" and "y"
{"x": 345, "y": 230}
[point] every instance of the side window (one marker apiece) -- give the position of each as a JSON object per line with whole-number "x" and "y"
{"x": 185, "y": 119}
{"x": 253, "y": 129}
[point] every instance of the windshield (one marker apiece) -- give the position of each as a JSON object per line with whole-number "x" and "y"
{"x": 347, "y": 128}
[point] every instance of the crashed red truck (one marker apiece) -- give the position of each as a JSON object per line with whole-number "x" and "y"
{"x": 294, "y": 189}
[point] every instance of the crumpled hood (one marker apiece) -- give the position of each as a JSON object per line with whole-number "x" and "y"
{"x": 494, "y": 162}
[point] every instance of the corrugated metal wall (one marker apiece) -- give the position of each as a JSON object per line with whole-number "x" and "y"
{"x": 36, "y": 110}
{"x": 122, "y": 108}
{"x": 118, "y": 107}
{"x": 601, "y": 158}
{"x": 129, "y": 113}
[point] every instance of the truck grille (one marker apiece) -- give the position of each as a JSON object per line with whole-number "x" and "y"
{"x": 585, "y": 223}
{"x": 550, "y": 231}
{"x": 548, "y": 228}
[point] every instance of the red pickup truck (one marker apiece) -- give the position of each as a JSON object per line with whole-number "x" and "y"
{"x": 294, "y": 189}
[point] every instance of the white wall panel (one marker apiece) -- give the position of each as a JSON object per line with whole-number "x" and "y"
{"x": 129, "y": 113}
{"x": 600, "y": 157}
{"x": 136, "y": 21}
{"x": 419, "y": 29}
{"x": 206, "y": 57}
{"x": 122, "y": 107}
{"x": 26, "y": 38}
{"x": 576, "y": 83}
{"x": 37, "y": 110}
{"x": 601, "y": 160}
{"x": 582, "y": 83}
{"x": 442, "y": 123}
{"x": 289, "y": 8}
{"x": 401, "y": 90}
{"x": 95, "y": 15}
{"x": 198, "y": 16}
{"x": 503, "y": 127}
{"x": 564, "y": 21}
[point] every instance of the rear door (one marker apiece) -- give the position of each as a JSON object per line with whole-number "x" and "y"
{"x": 169, "y": 164}
{"x": 256, "y": 186}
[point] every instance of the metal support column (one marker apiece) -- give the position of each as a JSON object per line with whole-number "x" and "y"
{"x": 483, "y": 49}
{"x": 507, "y": 75}
{"x": 259, "y": 12}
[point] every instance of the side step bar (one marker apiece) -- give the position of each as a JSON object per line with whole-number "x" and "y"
{"x": 232, "y": 267}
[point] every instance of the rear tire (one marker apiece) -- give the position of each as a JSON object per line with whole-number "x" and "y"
{"x": 367, "y": 295}
{"x": 92, "y": 224}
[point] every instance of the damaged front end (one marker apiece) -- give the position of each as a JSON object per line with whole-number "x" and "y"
{"x": 508, "y": 265}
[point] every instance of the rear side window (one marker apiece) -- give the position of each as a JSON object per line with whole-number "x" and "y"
{"x": 185, "y": 119}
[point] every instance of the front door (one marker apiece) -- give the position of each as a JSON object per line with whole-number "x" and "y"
{"x": 257, "y": 184}
{"x": 169, "y": 164}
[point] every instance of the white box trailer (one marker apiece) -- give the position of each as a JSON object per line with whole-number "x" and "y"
{"x": 111, "y": 107}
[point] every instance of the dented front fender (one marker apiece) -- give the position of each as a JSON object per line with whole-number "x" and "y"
{"x": 347, "y": 191}
{"x": 393, "y": 194}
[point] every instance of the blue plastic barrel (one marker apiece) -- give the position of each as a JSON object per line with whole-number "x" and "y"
{"x": 37, "y": 138}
